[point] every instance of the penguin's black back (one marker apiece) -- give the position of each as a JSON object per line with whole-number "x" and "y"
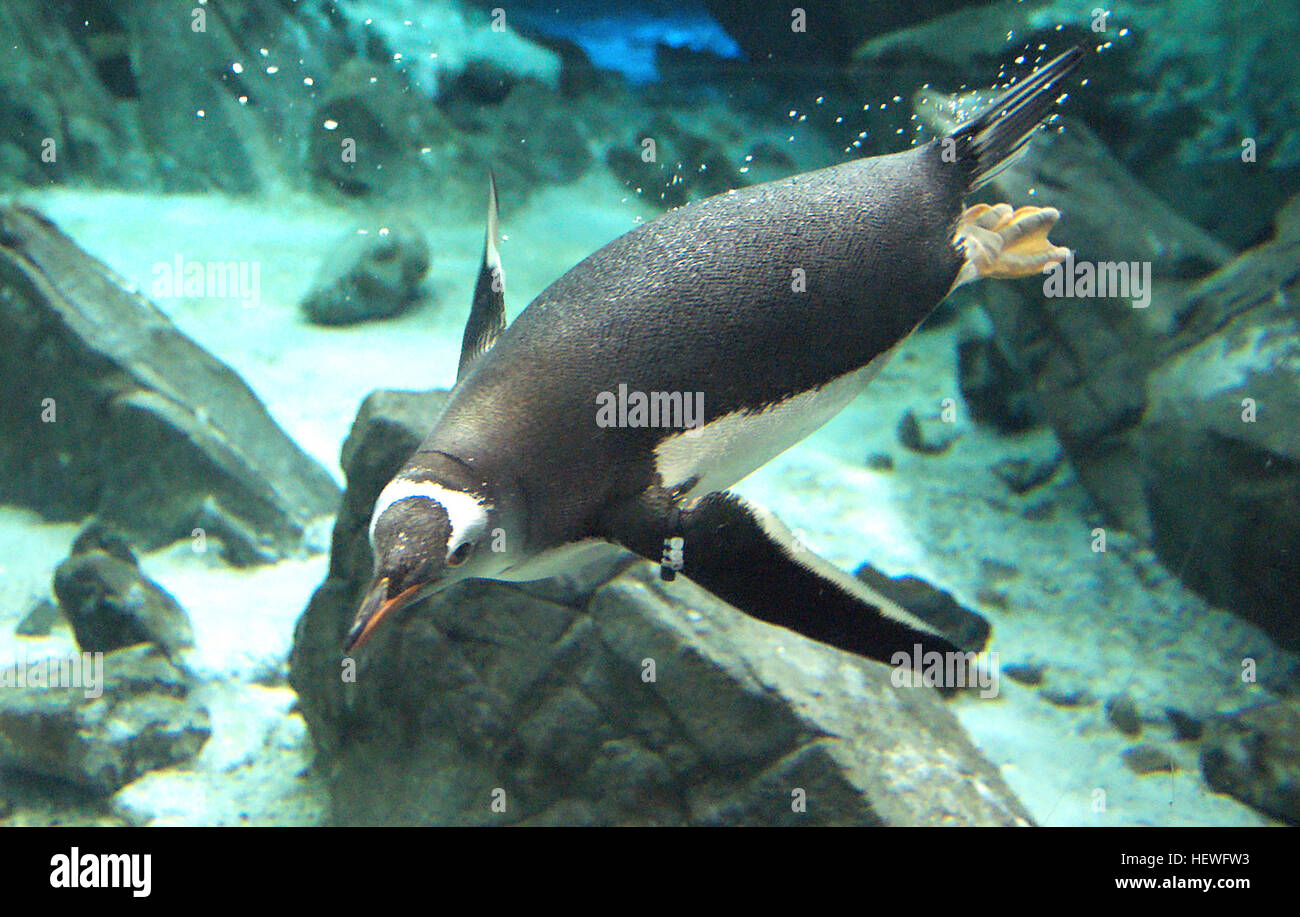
{"x": 703, "y": 296}
{"x": 703, "y": 299}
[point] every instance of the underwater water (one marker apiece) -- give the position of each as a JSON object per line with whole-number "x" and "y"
{"x": 239, "y": 245}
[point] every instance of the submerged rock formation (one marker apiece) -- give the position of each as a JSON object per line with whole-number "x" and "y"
{"x": 1220, "y": 453}
{"x": 130, "y": 713}
{"x": 110, "y": 410}
{"x": 1178, "y": 384}
{"x": 1254, "y": 755}
{"x": 1199, "y": 101}
{"x": 606, "y": 697}
{"x": 139, "y": 93}
{"x": 110, "y": 603}
{"x": 374, "y": 272}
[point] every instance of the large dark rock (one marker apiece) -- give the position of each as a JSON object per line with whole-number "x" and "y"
{"x": 1194, "y": 396}
{"x": 606, "y": 698}
{"x": 1254, "y": 755}
{"x": 140, "y": 93}
{"x": 532, "y": 137}
{"x": 110, "y": 410}
{"x": 143, "y": 717}
{"x": 368, "y": 130}
{"x": 1219, "y": 444}
{"x": 1153, "y": 405}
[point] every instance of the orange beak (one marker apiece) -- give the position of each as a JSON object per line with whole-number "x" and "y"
{"x": 374, "y": 608}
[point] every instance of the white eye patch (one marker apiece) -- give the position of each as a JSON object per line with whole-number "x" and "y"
{"x": 467, "y": 513}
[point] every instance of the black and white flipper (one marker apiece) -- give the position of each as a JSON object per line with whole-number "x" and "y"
{"x": 487, "y": 316}
{"x": 747, "y": 557}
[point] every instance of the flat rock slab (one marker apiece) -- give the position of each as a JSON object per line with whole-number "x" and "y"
{"x": 108, "y": 409}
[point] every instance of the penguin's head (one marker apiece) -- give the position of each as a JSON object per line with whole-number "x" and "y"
{"x": 425, "y": 536}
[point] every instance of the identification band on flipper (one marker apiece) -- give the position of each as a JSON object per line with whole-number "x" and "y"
{"x": 672, "y": 561}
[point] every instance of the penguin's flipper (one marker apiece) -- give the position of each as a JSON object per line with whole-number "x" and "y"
{"x": 487, "y": 317}
{"x": 745, "y": 556}
{"x": 1001, "y": 242}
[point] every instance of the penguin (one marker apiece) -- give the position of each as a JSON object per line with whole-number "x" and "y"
{"x": 621, "y": 404}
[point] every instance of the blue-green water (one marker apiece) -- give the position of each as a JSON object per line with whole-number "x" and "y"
{"x": 225, "y": 227}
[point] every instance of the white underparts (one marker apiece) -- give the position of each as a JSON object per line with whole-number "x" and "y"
{"x": 726, "y": 449}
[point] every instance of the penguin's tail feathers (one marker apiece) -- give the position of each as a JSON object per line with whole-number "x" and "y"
{"x": 987, "y": 142}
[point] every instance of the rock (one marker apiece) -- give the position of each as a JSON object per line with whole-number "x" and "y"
{"x": 1192, "y": 395}
{"x": 373, "y": 137}
{"x": 106, "y": 401}
{"x": 533, "y": 137}
{"x": 880, "y": 461}
{"x": 617, "y": 699}
{"x": 111, "y": 604}
{"x": 374, "y": 272}
{"x": 668, "y": 165}
{"x": 60, "y": 101}
{"x": 929, "y": 435}
{"x": 238, "y": 543}
{"x": 38, "y": 620}
{"x": 1254, "y": 756}
{"x": 1066, "y": 689}
{"x": 1147, "y": 759}
{"x": 995, "y": 392}
{"x": 1123, "y": 715}
{"x": 368, "y": 131}
{"x": 1082, "y": 370}
{"x": 481, "y": 83}
{"x": 1037, "y": 512}
{"x": 1177, "y": 90}
{"x": 440, "y": 41}
{"x": 1022, "y": 475}
{"x": 1220, "y": 420}
{"x": 1024, "y": 673}
{"x": 132, "y": 95}
{"x": 146, "y": 718}
{"x": 1187, "y": 728}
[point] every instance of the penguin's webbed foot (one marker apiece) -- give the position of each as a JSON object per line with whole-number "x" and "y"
{"x": 1001, "y": 242}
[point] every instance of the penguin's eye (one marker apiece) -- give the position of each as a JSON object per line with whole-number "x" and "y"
{"x": 458, "y": 556}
